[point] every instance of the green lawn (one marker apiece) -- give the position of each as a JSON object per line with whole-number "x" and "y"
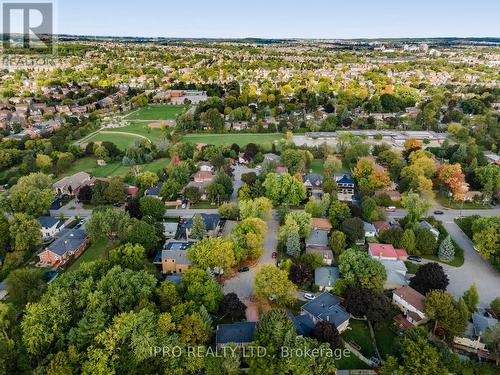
{"x": 203, "y": 204}
{"x": 96, "y": 250}
{"x": 351, "y": 362}
{"x": 360, "y": 335}
{"x": 122, "y": 141}
{"x": 228, "y": 139}
{"x": 317, "y": 166}
{"x": 445, "y": 202}
{"x": 89, "y": 165}
{"x": 385, "y": 337}
{"x": 157, "y": 112}
{"x": 140, "y": 128}
{"x": 412, "y": 267}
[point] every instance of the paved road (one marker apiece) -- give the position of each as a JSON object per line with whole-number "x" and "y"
{"x": 71, "y": 209}
{"x": 475, "y": 268}
{"x": 242, "y": 283}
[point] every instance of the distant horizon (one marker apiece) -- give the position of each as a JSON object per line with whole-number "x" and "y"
{"x": 278, "y": 19}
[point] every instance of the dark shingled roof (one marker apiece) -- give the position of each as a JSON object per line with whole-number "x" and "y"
{"x": 327, "y": 307}
{"x": 68, "y": 240}
{"x": 239, "y": 333}
{"x": 210, "y": 220}
{"x": 47, "y": 221}
{"x": 155, "y": 190}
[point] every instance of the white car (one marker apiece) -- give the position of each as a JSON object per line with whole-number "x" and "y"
{"x": 309, "y": 296}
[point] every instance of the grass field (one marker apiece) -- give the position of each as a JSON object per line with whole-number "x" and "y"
{"x": 97, "y": 250}
{"x": 228, "y": 139}
{"x": 140, "y": 128}
{"x": 156, "y": 112}
{"x": 445, "y": 202}
{"x": 317, "y": 166}
{"x": 350, "y": 362}
{"x": 90, "y": 166}
{"x": 385, "y": 337}
{"x": 122, "y": 141}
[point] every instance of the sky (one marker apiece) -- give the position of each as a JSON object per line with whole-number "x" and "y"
{"x": 328, "y": 19}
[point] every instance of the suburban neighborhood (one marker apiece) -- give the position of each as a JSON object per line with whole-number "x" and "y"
{"x": 227, "y": 206}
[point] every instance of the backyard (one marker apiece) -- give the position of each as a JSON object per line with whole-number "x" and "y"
{"x": 97, "y": 250}
{"x": 359, "y": 335}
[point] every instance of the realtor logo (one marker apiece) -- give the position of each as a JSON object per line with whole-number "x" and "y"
{"x": 28, "y": 26}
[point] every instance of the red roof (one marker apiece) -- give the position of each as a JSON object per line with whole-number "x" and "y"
{"x": 381, "y": 225}
{"x": 382, "y": 250}
{"x": 401, "y": 253}
{"x": 132, "y": 190}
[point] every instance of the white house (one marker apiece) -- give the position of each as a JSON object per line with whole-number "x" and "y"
{"x": 370, "y": 230}
{"x": 411, "y": 304}
{"x": 49, "y": 226}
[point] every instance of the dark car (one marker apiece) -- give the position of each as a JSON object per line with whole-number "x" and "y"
{"x": 438, "y": 212}
{"x": 275, "y": 255}
{"x": 415, "y": 258}
{"x": 244, "y": 269}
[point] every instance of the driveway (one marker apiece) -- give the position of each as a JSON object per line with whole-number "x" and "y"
{"x": 475, "y": 268}
{"x": 238, "y": 171}
{"x": 242, "y": 282}
{"x": 71, "y": 209}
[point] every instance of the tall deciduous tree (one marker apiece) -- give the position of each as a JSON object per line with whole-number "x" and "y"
{"x": 32, "y": 195}
{"x": 358, "y": 269}
{"x": 429, "y": 277}
{"x": 153, "y": 207}
{"x": 272, "y": 284}
{"x": 213, "y": 253}
{"x": 441, "y": 307}
{"x": 107, "y": 223}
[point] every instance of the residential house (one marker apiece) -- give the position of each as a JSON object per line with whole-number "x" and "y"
{"x": 426, "y": 225}
{"x": 326, "y": 277}
{"x": 312, "y": 181}
{"x": 132, "y": 191}
{"x": 381, "y": 226}
{"x": 71, "y": 184}
{"x": 411, "y": 304}
{"x": 205, "y": 166}
{"x": 49, "y": 226}
{"x": 240, "y": 333}
{"x": 321, "y": 224}
{"x": 281, "y": 170}
{"x": 170, "y": 229}
{"x": 393, "y": 194}
{"x": 396, "y": 274}
{"x": 471, "y": 340}
{"x": 370, "y": 230}
{"x": 173, "y": 257}
{"x": 304, "y": 325}
{"x": 211, "y": 221}
{"x": 381, "y": 251}
{"x": 3, "y": 290}
{"x": 154, "y": 191}
{"x": 323, "y": 251}
{"x": 326, "y": 307}
{"x": 203, "y": 176}
{"x": 69, "y": 244}
{"x": 317, "y": 237}
{"x": 346, "y": 186}
{"x": 201, "y": 186}
{"x": 271, "y": 157}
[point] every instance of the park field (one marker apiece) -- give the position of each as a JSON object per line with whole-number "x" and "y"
{"x": 122, "y": 141}
{"x": 156, "y": 112}
{"x": 140, "y": 129}
{"x": 230, "y": 138}
{"x": 89, "y": 165}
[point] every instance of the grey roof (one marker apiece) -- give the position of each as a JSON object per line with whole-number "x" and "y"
{"x": 174, "y": 278}
{"x": 47, "y": 221}
{"x": 211, "y": 221}
{"x": 155, "y": 190}
{"x": 304, "y": 325}
{"x": 270, "y": 156}
{"x": 327, "y": 307}
{"x": 314, "y": 178}
{"x": 426, "y": 225}
{"x": 67, "y": 240}
{"x": 317, "y": 237}
{"x": 179, "y": 256}
{"x": 239, "y": 333}
{"x": 170, "y": 227}
{"x": 369, "y": 227}
{"x": 396, "y": 272}
{"x": 482, "y": 320}
{"x": 326, "y": 276}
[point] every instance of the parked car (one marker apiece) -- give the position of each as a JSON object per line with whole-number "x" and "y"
{"x": 275, "y": 255}
{"x": 309, "y": 296}
{"x": 244, "y": 269}
{"x": 415, "y": 258}
{"x": 438, "y": 212}
{"x": 391, "y": 208}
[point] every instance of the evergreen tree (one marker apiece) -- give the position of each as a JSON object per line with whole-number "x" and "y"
{"x": 446, "y": 250}
{"x": 293, "y": 243}
{"x": 408, "y": 241}
{"x": 198, "y": 229}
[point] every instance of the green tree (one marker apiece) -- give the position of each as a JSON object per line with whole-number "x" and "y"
{"x": 107, "y": 223}
{"x": 272, "y": 284}
{"x": 199, "y": 287}
{"x": 147, "y": 179}
{"x": 293, "y": 243}
{"x": 337, "y": 242}
{"x": 491, "y": 338}
{"x": 170, "y": 189}
{"x": 115, "y": 191}
{"x": 198, "y": 228}
{"x": 31, "y": 195}
{"x": 229, "y": 211}
{"x": 318, "y": 207}
{"x": 248, "y": 238}
{"x": 408, "y": 241}
{"x": 354, "y": 229}
{"x": 152, "y": 207}
{"x": 446, "y": 312}
{"x": 489, "y": 176}
{"x": 415, "y": 205}
{"x": 258, "y": 207}
{"x": 338, "y": 213}
{"x": 213, "y": 253}
{"x": 471, "y": 298}
{"x": 418, "y": 356}
{"x": 168, "y": 295}
{"x": 128, "y": 256}
{"x": 25, "y": 286}
{"x": 141, "y": 233}
{"x": 359, "y": 269}
{"x": 284, "y": 189}
{"x": 446, "y": 250}
{"x": 486, "y": 236}
{"x": 25, "y": 233}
